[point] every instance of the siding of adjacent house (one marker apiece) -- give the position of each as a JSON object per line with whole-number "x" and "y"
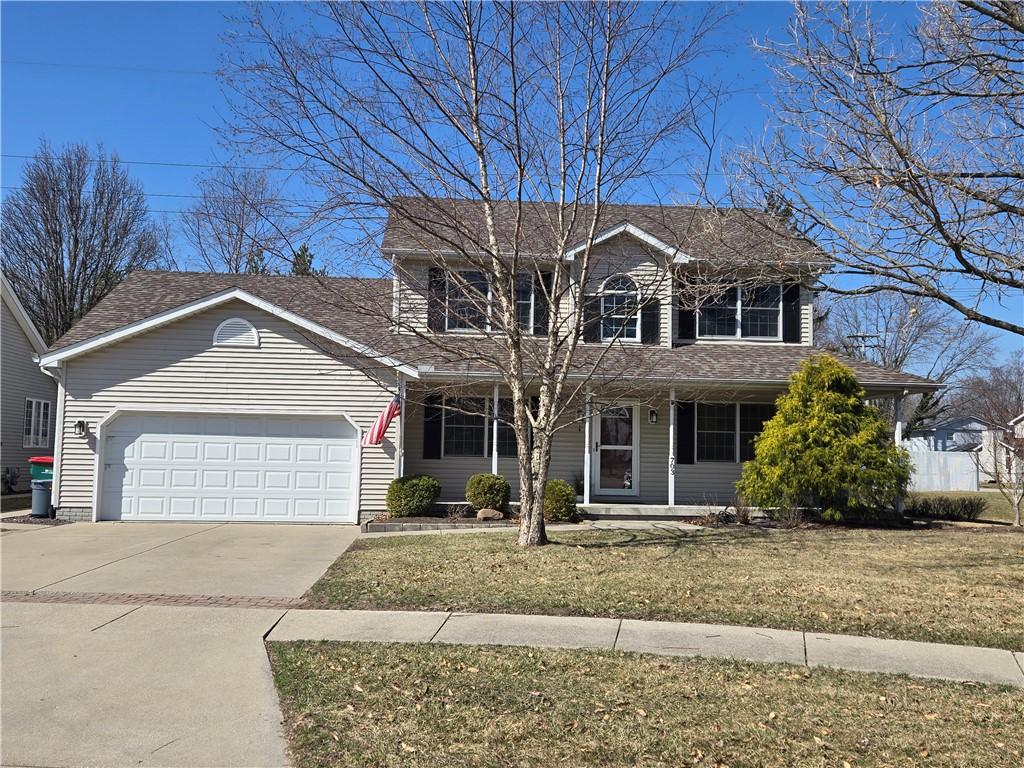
{"x": 711, "y": 482}
{"x": 176, "y": 366}
{"x": 21, "y": 379}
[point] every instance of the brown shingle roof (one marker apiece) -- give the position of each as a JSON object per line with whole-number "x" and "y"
{"x": 436, "y": 225}
{"x": 352, "y": 307}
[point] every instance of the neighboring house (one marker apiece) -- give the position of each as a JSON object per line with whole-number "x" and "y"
{"x": 192, "y": 396}
{"x": 968, "y": 434}
{"x": 29, "y": 395}
{"x": 1018, "y": 425}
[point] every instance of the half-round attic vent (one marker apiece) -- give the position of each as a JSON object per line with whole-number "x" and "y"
{"x": 236, "y": 332}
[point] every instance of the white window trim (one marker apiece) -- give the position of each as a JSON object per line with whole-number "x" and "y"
{"x": 739, "y": 320}
{"x": 635, "y": 317}
{"x": 237, "y": 345}
{"x": 488, "y": 426}
{"x": 533, "y": 302}
{"x": 39, "y": 431}
{"x": 447, "y": 297}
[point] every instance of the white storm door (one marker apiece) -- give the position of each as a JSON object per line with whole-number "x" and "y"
{"x": 617, "y": 451}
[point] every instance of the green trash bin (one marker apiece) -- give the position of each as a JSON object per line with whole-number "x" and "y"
{"x": 41, "y": 472}
{"x": 40, "y": 467}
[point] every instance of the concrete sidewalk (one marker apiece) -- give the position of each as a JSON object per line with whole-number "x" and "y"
{"x": 810, "y": 649}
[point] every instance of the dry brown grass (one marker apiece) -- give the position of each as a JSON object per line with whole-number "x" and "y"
{"x": 963, "y": 586}
{"x": 426, "y": 706}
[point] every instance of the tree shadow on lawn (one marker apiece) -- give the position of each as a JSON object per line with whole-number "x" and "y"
{"x": 669, "y": 536}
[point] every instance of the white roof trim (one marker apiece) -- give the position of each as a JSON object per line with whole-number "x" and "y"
{"x": 199, "y": 305}
{"x": 678, "y": 257}
{"x": 10, "y": 298}
{"x": 1016, "y": 420}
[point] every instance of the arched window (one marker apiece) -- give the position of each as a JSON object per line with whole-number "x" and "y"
{"x": 236, "y": 332}
{"x": 619, "y": 315}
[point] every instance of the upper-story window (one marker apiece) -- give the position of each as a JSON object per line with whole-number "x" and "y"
{"x": 467, "y": 300}
{"x": 464, "y": 298}
{"x": 619, "y": 316}
{"x": 748, "y": 313}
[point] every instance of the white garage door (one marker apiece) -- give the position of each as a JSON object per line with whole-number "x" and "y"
{"x": 244, "y": 468}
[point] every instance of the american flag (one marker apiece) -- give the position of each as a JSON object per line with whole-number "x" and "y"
{"x": 375, "y": 434}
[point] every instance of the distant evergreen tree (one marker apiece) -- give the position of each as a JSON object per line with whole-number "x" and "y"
{"x": 302, "y": 263}
{"x": 256, "y": 264}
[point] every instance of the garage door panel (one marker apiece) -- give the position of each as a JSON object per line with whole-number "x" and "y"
{"x": 251, "y": 468}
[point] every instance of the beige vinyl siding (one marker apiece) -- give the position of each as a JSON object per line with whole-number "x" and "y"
{"x": 622, "y": 256}
{"x": 21, "y": 379}
{"x": 176, "y": 367}
{"x": 412, "y": 279}
{"x": 806, "y": 316}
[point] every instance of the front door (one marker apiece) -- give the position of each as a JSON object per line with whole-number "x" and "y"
{"x": 617, "y": 451}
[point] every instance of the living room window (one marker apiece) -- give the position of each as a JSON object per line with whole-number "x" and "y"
{"x": 750, "y": 313}
{"x": 619, "y": 316}
{"x": 37, "y": 423}
{"x": 725, "y": 432}
{"x": 716, "y": 432}
{"x": 752, "y": 419}
{"x": 467, "y": 427}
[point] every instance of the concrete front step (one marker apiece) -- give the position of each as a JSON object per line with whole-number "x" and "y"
{"x": 647, "y": 511}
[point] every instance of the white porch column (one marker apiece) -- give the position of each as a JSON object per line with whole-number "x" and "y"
{"x": 898, "y": 438}
{"x": 671, "y": 447}
{"x": 897, "y": 407}
{"x": 400, "y": 447}
{"x": 494, "y": 431}
{"x": 586, "y": 447}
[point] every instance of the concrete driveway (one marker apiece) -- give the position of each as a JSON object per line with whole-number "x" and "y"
{"x": 149, "y": 685}
{"x": 172, "y": 558}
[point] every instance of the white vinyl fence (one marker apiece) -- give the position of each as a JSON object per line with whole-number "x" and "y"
{"x": 942, "y": 470}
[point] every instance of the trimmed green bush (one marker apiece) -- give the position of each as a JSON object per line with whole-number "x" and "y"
{"x": 559, "y": 502}
{"x": 487, "y": 491}
{"x": 826, "y": 449}
{"x": 946, "y": 507}
{"x": 412, "y": 495}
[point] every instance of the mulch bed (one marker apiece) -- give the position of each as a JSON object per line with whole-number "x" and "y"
{"x": 35, "y": 520}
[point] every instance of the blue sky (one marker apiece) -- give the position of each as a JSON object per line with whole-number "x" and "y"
{"x": 137, "y": 77}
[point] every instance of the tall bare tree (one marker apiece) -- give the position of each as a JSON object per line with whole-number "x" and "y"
{"x": 77, "y": 224}
{"x": 414, "y": 110}
{"x": 908, "y": 333}
{"x": 995, "y": 393}
{"x": 237, "y": 223}
{"x": 904, "y": 157}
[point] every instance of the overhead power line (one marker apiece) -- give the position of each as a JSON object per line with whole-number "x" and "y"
{"x": 114, "y": 67}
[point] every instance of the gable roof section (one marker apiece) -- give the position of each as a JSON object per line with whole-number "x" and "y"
{"x": 698, "y": 233}
{"x": 10, "y": 298}
{"x": 147, "y": 300}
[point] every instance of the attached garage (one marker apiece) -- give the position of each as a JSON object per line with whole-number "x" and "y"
{"x": 229, "y": 467}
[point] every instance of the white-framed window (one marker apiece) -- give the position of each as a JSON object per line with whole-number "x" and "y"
{"x": 525, "y": 301}
{"x": 37, "y": 423}
{"x": 747, "y": 313}
{"x": 725, "y": 432}
{"x": 467, "y": 301}
{"x": 466, "y": 427}
{"x": 236, "y": 332}
{"x": 620, "y": 318}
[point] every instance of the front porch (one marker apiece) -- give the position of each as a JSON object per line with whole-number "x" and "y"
{"x": 652, "y": 454}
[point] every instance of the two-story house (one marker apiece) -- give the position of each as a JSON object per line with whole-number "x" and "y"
{"x": 187, "y": 396}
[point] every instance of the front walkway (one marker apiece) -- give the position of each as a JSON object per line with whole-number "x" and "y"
{"x": 809, "y": 649}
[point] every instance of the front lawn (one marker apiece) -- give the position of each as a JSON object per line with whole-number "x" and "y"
{"x": 997, "y": 508}
{"x": 424, "y": 706}
{"x": 963, "y": 586}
